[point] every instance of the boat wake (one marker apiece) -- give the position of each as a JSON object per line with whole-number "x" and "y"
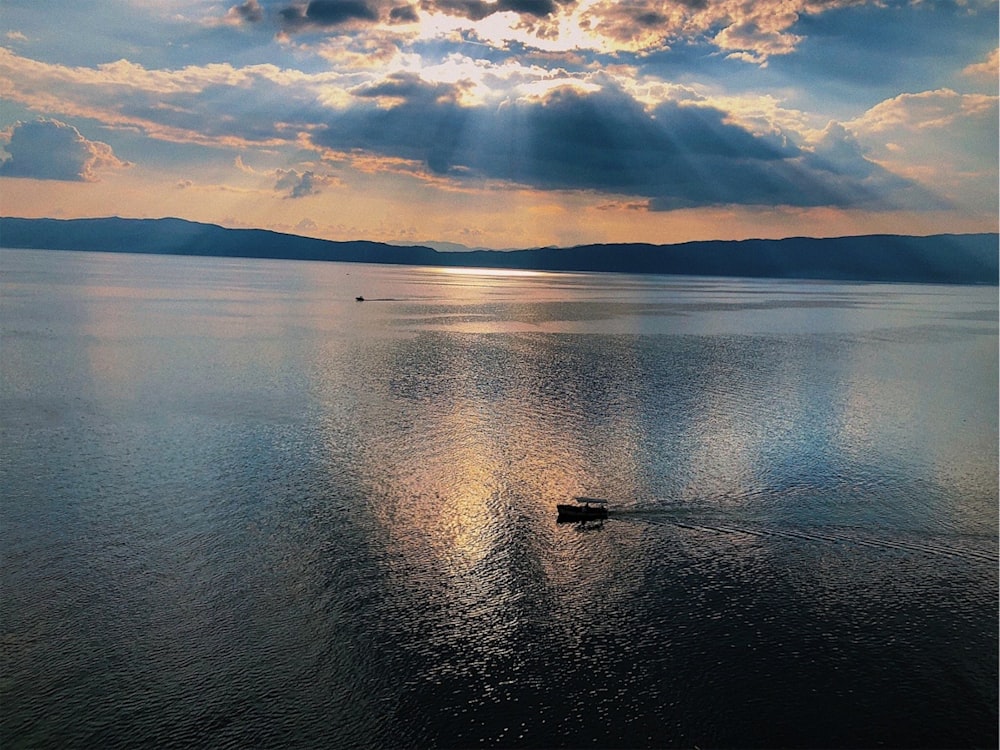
{"x": 848, "y": 537}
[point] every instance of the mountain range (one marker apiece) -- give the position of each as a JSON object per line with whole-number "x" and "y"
{"x": 944, "y": 258}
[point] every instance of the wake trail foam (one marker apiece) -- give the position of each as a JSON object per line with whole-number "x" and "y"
{"x": 815, "y": 536}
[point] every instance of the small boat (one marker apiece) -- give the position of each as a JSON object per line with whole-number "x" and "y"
{"x": 586, "y": 509}
{"x": 359, "y": 298}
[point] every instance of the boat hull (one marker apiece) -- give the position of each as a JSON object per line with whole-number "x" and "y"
{"x": 580, "y": 513}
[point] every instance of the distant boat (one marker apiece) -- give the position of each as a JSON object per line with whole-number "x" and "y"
{"x": 586, "y": 509}
{"x": 359, "y": 298}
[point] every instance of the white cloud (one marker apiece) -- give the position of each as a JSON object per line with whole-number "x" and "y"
{"x": 170, "y": 105}
{"x": 988, "y": 69}
{"x": 943, "y": 139}
{"x": 927, "y": 110}
{"x": 750, "y": 31}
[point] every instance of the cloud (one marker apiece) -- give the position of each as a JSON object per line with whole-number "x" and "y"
{"x": 404, "y": 14}
{"x": 216, "y": 105}
{"x": 313, "y": 15}
{"x": 837, "y": 150}
{"x": 640, "y": 206}
{"x": 987, "y": 69}
{"x": 745, "y": 31}
{"x": 326, "y": 13}
{"x": 243, "y": 166}
{"x": 675, "y": 155}
{"x": 474, "y": 10}
{"x": 750, "y": 31}
{"x": 467, "y": 120}
{"x": 248, "y": 12}
{"x": 297, "y": 184}
{"x": 755, "y": 43}
{"x": 410, "y": 87}
{"x": 52, "y": 150}
{"x": 941, "y": 138}
{"x": 477, "y": 10}
{"x": 926, "y": 110}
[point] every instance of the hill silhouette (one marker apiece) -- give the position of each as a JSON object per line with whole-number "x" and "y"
{"x": 944, "y": 258}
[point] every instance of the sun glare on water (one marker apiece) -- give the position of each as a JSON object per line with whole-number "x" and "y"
{"x": 493, "y": 272}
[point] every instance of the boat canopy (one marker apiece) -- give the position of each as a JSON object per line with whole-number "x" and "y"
{"x": 592, "y": 500}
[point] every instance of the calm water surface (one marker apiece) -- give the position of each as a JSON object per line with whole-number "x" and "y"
{"x": 241, "y": 509}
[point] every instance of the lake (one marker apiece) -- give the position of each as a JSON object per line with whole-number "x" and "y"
{"x": 241, "y": 509}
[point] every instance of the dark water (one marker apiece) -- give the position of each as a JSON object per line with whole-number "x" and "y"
{"x": 242, "y": 510}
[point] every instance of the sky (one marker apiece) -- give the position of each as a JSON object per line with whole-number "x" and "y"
{"x": 506, "y": 123}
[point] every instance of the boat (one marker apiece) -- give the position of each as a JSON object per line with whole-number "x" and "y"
{"x": 586, "y": 509}
{"x": 359, "y": 298}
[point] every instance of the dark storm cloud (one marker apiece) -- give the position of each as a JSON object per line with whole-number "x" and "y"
{"x": 52, "y": 150}
{"x": 537, "y": 8}
{"x": 675, "y": 156}
{"x": 476, "y": 10}
{"x": 650, "y": 19}
{"x": 333, "y": 12}
{"x": 410, "y": 87}
{"x": 427, "y": 126}
{"x": 325, "y": 13}
{"x": 403, "y": 14}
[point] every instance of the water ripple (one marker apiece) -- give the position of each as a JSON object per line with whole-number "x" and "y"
{"x": 250, "y": 514}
